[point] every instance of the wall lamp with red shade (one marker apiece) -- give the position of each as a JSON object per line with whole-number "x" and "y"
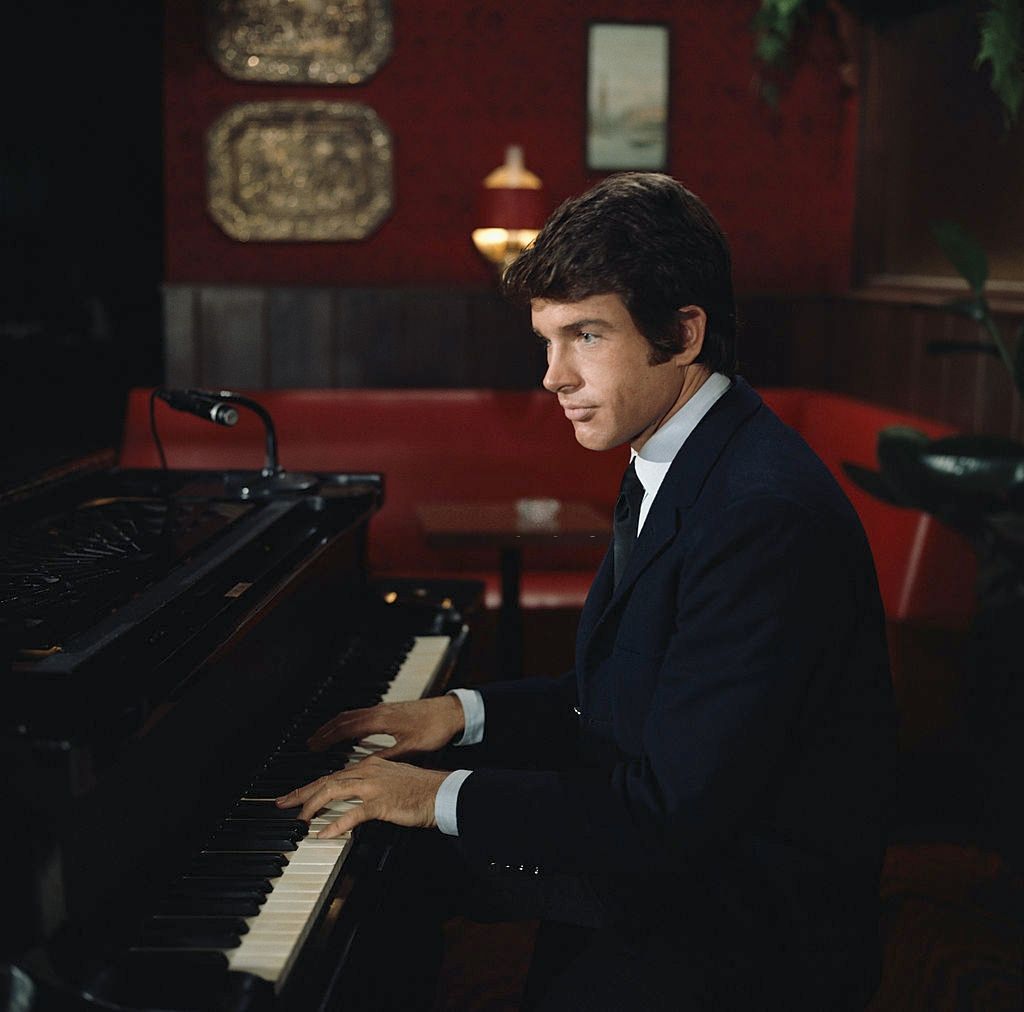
{"x": 511, "y": 210}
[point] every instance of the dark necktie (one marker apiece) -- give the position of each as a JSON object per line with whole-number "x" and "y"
{"x": 627, "y": 515}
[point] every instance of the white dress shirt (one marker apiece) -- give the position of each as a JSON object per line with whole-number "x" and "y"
{"x": 652, "y": 464}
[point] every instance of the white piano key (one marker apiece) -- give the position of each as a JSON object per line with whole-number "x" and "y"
{"x": 277, "y": 933}
{"x": 419, "y": 669}
{"x": 378, "y": 741}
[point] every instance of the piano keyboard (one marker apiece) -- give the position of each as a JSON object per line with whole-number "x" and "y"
{"x": 255, "y": 893}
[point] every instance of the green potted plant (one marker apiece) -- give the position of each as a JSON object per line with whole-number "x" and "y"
{"x": 1000, "y": 38}
{"x": 972, "y": 483}
{"x": 975, "y": 485}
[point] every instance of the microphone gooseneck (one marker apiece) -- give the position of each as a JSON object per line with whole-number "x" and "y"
{"x": 217, "y": 406}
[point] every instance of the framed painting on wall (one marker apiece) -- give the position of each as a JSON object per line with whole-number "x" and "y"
{"x": 627, "y": 96}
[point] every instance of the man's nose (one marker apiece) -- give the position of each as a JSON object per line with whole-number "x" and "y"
{"x": 561, "y": 374}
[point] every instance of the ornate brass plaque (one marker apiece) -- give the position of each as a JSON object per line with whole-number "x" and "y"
{"x": 328, "y": 41}
{"x": 299, "y": 171}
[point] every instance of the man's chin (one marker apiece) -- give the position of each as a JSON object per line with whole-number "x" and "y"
{"x": 591, "y": 440}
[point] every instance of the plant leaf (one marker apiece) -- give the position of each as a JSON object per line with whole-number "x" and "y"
{"x": 770, "y": 48}
{"x": 1002, "y": 45}
{"x": 773, "y": 26}
{"x": 963, "y": 252}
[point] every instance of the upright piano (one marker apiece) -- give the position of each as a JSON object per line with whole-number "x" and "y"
{"x": 168, "y": 648}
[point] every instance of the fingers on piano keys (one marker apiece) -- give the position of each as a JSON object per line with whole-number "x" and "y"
{"x": 254, "y": 894}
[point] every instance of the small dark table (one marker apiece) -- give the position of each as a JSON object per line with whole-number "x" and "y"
{"x": 509, "y": 526}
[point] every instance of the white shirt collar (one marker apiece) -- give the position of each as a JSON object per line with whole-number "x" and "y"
{"x": 654, "y": 460}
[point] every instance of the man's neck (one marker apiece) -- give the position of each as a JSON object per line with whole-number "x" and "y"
{"x": 694, "y": 377}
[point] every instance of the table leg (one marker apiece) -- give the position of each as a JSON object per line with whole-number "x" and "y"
{"x": 510, "y": 617}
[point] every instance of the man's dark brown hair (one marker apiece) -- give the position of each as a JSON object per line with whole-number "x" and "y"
{"x": 646, "y": 238}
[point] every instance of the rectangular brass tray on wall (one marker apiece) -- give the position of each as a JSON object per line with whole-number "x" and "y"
{"x": 299, "y": 171}
{"x": 263, "y": 40}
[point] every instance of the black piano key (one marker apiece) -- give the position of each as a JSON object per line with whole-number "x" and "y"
{"x": 263, "y": 810}
{"x": 269, "y": 866}
{"x": 193, "y": 932}
{"x": 209, "y": 906}
{"x": 238, "y": 887}
{"x": 295, "y": 828}
{"x": 231, "y": 842}
{"x": 273, "y": 788}
{"x": 308, "y": 769}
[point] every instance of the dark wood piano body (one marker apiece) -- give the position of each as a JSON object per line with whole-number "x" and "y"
{"x": 121, "y": 749}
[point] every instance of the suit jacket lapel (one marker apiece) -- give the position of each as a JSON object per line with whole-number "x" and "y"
{"x": 678, "y": 491}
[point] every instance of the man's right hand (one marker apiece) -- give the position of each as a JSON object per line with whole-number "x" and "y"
{"x": 422, "y": 725}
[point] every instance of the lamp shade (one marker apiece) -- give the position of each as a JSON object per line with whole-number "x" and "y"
{"x": 506, "y": 207}
{"x": 510, "y": 210}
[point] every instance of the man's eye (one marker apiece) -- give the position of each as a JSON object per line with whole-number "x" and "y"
{"x": 587, "y": 338}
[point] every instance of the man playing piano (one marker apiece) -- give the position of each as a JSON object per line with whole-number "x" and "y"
{"x": 703, "y": 795}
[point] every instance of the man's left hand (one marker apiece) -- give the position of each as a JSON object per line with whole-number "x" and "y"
{"x": 389, "y": 791}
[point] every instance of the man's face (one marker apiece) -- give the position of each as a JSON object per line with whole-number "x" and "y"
{"x": 598, "y": 366}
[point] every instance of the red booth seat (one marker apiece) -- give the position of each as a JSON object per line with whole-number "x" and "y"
{"x": 437, "y": 445}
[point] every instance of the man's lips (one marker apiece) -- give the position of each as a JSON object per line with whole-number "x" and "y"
{"x": 578, "y": 413}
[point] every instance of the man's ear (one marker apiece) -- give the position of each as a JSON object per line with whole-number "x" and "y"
{"x": 693, "y": 322}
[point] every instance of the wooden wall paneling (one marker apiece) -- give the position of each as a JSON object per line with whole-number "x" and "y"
{"x": 233, "y": 334}
{"x": 807, "y": 323}
{"x": 353, "y": 326}
{"x": 905, "y": 359}
{"x": 368, "y": 331}
{"x": 433, "y": 340}
{"x": 915, "y": 365}
{"x": 933, "y": 146}
{"x": 879, "y": 344}
{"x": 877, "y": 350}
{"x": 299, "y": 336}
{"x": 843, "y": 352}
{"x": 182, "y": 356}
{"x": 929, "y": 376}
{"x": 966, "y": 376}
{"x": 1009, "y": 324}
{"x": 763, "y": 346}
{"x": 504, "y": 350}
{"x": 994, "y": 397}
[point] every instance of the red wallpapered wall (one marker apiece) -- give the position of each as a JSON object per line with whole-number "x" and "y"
{"x": 468, "y": 77}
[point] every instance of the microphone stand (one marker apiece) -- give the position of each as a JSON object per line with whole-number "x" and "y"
{"x": 273, "y": 479}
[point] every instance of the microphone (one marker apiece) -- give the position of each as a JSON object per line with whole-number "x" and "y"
{"x": 209, "y": 404}
{"x": 218, "y": 406}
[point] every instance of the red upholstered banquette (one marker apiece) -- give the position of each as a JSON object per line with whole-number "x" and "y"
{"x": 436, "y": 445}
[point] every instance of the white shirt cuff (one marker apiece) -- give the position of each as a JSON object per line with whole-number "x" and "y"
{"x": 446, "y": 802}
{"x": 473, "y": 712}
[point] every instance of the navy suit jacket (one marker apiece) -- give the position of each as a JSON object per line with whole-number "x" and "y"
{"x": 723, "y": 747}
